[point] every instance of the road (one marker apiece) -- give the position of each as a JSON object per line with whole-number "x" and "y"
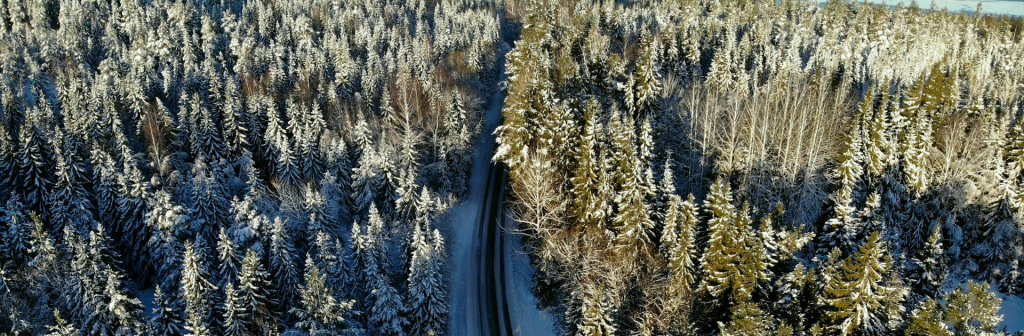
{"x": 476, "y": 291}
{"x": 495, "y": 319}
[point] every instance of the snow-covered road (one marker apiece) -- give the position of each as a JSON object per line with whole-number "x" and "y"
{"x": 465, "y": 291}
{"x": 489, "y": 292}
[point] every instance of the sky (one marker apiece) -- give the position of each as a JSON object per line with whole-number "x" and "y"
{"x": 1013, "y": 7}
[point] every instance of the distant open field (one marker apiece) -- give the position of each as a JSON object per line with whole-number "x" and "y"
{"x": 1012, "y": 7}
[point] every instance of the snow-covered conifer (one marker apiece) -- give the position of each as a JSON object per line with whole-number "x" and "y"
{"x": 320, "y": 312}
{"x": 863, "y": 297}
{"x": 197, "y": 292}
{"x": 166, "y": 318}
{"x": 256, "y": 296}
{"x": 284, "y": 269}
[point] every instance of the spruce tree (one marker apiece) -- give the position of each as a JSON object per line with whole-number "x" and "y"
{"x": 720, "y": 260}
{"x": 235, "y": 314}
{"x": 8, "y": 163}
{"x": 209, "y": 205}
{"x": 927, "y": 320}
{"x": 929, "y": 265}
{"x": 386, "y": 306}
{"x": 973, "y": 309}
{"x": 283, "y": 268}
{"x": 131, "y": 231}
{"x": 837, "y": 230}
{"x": 647, "y": 77}
{"x": 18, "y": 233}
{"x": 34, "y": 165}
{"x": 427, "y": 293}
{"x": 862, "y": 299}
{"x": 167, "y": 221}
{"x": 228, "y": 258}
{"x": 678, "y": 243}
{"x": 197, "y": 292}
{"x": 254, "y": 290}
{"x": 747, "y": 320}
{"x": 166, "y": 318}
{"x": 585, "y": 177}
{"x": 596, "y": 315}
{"x": 62, "y": 327}
{"x": 632, "y": 223}
{"x": 320, "y": 312}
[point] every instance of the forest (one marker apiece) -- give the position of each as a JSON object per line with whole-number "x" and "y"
{"x": 675, "y": 167}
{"x": 744, "y": 167}
{"x": 234, "y": 167}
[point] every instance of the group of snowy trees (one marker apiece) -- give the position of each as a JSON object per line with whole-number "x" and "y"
{"x": 234, "y": 167}
{"x": 851, "y": 169}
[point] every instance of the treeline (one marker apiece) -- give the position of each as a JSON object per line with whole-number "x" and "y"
{"x": 234, "y": 167}
{"x": 768, "y": 168}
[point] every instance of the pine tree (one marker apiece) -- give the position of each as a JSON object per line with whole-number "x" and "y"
{"x": 166, "y": 319}
{"x": 862, "y": 299}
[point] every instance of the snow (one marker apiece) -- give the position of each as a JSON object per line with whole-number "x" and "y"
{"x": 1012, "y": 7}
{"x": 526, "y": 318}
{"x": 464, "y": 263}
{"x": 146, "y": 297}
{"x": 1012, "y": 310}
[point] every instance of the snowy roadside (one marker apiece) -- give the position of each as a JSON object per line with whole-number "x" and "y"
{"x": 526, "y": 318}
